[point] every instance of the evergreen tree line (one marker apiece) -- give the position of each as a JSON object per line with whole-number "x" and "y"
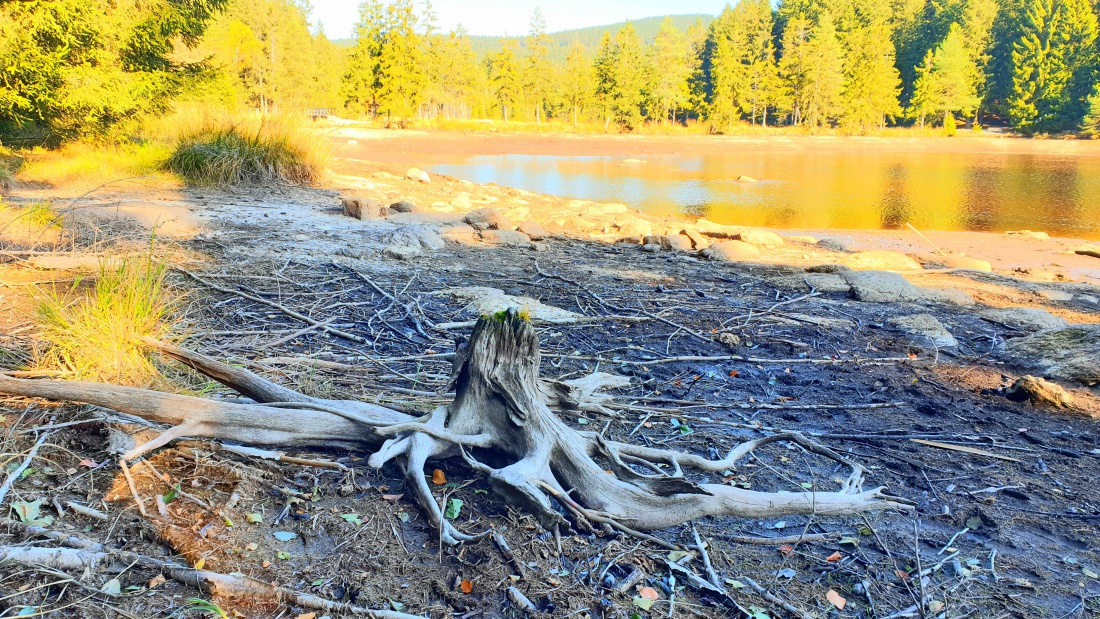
{"x": 853, "y": 64}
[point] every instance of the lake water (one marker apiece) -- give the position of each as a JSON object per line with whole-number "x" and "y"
{"x": 952, "y": 191}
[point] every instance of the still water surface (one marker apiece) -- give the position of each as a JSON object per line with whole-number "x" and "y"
{"x": 944, "y": 191}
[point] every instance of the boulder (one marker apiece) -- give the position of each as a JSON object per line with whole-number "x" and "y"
{"x": 402, "y": 252}
{"x": 508, "y": 238}
{"x": 880, "y": 260}
{"x": 762, "y": 238}
{"x": 416, "y": 174}
{"x": 881, "y": 287}
{"x": 730, "y": 339}
{"x": 698, "y": 241}
{"x": 404, "y": 207}
{"x": 1029, "y": 319}
{"x": 1055, "y": 295}
{"x": 925, "y": 327}
{"x": 652, "y": 248}
{"x": 1038, "y": 391}
{"x": 420, "y": 237}
{"x": 634, "y": 227}
{"x": 669, "y": 241}
{"x": 533, "y": 230}
{"x": 462, "y": 201}
{"x": 359, "y": 207}
{"x": 950, "y": 296}
{"x": 1088, "y": 249}
{"x": 461, "y": 234}
{"x": 808, "y": 240}
{"x": 1068, "y": 354}
{"x": 964, "y": 262}
{"x": 487, "y": 218}
{"x": 833, "y": 244}
{"x": 823, "y": 282}
{"x": 732, "y": 251}
{"x": 1028, "y": 234}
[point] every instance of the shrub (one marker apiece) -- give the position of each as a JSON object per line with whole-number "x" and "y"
{"x": 949, "y": 126}
{"x": 94, "y": 331}
{"x": 226, "y": 152}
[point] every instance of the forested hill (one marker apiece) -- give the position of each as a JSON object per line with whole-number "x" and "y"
{"x": 647, "y": 29}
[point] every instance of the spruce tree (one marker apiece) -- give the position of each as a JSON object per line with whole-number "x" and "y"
{"x": 794, "y": 68}
{"x": 1090, "y": 126}
{"x": 628, "y": 78}
{"x": 577, "y": 80}
{"x": 872, "y": 82}
{"x": 360, "y": 85}
{"x": 946, "y": 82}
{"x": 539, "y": 69}
{"x": 400, "y": 64}
{"x": 823, "y": 101}
{"x": 505, "y": 77}
{"x": 672, "y": 65}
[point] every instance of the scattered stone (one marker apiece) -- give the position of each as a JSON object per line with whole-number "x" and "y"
{"x": 420, "y": 237}
{"x": 881, "y": 287}
{"x": 829, "y": 268}
{"x": 1029, "y": 319}
{"x": 1028, "y": 234}
{"x": 762, "y": 238}
{"x": 487, "y": 218}
{"x": 635, "y": 227}
{"x": 652, "y": 248}
{"x": 539, "y": 247}
{"x": 880, "y": 260}
{"x": 65, "y": 262}
{"x": 808, "y": 240}
{"x": 1068, "y": 354}
{"x": 669, "y": 241}
{"x": 746, "y": 179}
{"x": 698, "y": 241}
{"x": 461, "y": 234}
{"x": 1055, "y": 295}
{"x": 732, "y": 251}
{"x": 402, "y": 252}
{"x": 484, "y": 300}
{"x": 359, "y": 207}
{"x": 1039, "y": 391}
{"x": 964, "y": 262}
{"x": 404, "y": 207}
{"x": 925, "y": 326}
{"x": 508, "y": 238}
{"x": 729, "y": 339}
{"x": 1088, "y": 249}
{"x": 462, "y": 201}
{"x": 416, "y": 174}
{"x": 532, "y": 229}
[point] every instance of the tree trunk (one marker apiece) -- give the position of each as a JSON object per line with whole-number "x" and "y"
{"x": 501, "y": 413}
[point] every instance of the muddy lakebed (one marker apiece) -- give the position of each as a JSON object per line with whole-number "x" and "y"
{"x": 1006, "y": 506}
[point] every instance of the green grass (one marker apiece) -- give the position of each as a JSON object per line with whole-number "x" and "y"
{"x": 227, "y": 152}
{"x": 94, "y": 330}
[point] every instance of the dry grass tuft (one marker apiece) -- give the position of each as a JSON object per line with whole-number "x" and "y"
{"x": 229, "y": 151}
{"x": 93, "y": 330}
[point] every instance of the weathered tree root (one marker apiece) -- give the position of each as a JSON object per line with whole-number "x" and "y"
{"x": 501, "y": 413}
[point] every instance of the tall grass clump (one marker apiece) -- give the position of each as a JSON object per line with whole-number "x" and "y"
{"x": 94, "y": 330}
{"x": 248, "y": 151}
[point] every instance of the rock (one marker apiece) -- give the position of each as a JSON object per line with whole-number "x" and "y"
{"x": 533, "y": 230}
{"x": 539, "y": 247}
{"x": 462, "y": 201}
{"x": 1028, "y": 234}
{"x": 1023, "y": 318}
{"x": 829, "y": 268}
{"x": 880, "y": 260}
{"x": 833, "y": 244}
{"x": 519, "y": 213}
{"x": 420, "y": 237}
{"x": 461, "y": 234}
{"x": 732, "y": 251}
{"x": 809, "y": 240}
{"x": 634, "y": 227}
{"x": 823, "y": 282}
{"x": 762, "y": 238}
{"x": 746, "y": 179}
{"x": 508, "y": 238}
{"x": 1068, "y": 354}
{"x": 416, "y": 174}
{"x": 404, "y": 207}
{"x": 1038, "y": 391}
{"x": 925, "y": 326}
{"x": 484, "y": 300}
{"x": 65, "y": 262}
{"x": 608, "y": 208}
{"x": 669, "y": 241}
{"x": 1088, "y": 250}
{"x": 881, "y": 287}
{"x": 1087, "y": 298}
{"x": 652, "y": 248}
{"x": 487, "y": 218}
{"x": 951, "y": 296}
{"x": 729, "y": 339}
{"x": 402, "y": 252}
{"x": 964, "y": 262}
{"x": 698, "y": 241}
{"x": 359, "y": 207}
{"x": 1055, "y": 295}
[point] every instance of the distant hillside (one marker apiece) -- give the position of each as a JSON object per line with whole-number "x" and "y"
{"x": 590, "y": 37}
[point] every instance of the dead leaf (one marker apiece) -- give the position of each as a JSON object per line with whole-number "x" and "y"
{"x": 836, "y": 599}
{"x": 649, "y": 593}
{"x": 901, "y": 574}
{"x": 439, "y": 477}
{"x": 786, "y": 550}
{"x": 833, "y": 558}
{"x": 392, "y": 497}
{"x": 156, "y": 581}
{"x": 466, "y": 585}
{"x": 267, "y": 563}
{"x": 88, "y": 463}
{"x": 307, "y": 616}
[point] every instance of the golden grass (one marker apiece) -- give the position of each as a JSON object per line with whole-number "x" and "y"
{"x": 35, "y": 222}
{"x": 85, "y": 166}
{"x": 94, "y": 330}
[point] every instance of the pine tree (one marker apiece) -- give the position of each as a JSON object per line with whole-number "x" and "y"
{"x": 1090, "y": 126}
{"x": 400, "y": 64}
{"x": 947, "y": 84}
{"x": 672, "y": 65}
{"x": 872, "y": 81}
{"x": 628, "y": 78}
{"x": 604, "y": 69}
{"x": 539, "y": 70}
{"x": 824, "y": 87}
{"x": 505, "y": 77}
{"x": 361, "y": 85}
{"x": 794, "y": 67}
{"x": 577, "y": 80}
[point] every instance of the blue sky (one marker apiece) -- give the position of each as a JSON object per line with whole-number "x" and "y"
{"x": 513, "y": 17}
